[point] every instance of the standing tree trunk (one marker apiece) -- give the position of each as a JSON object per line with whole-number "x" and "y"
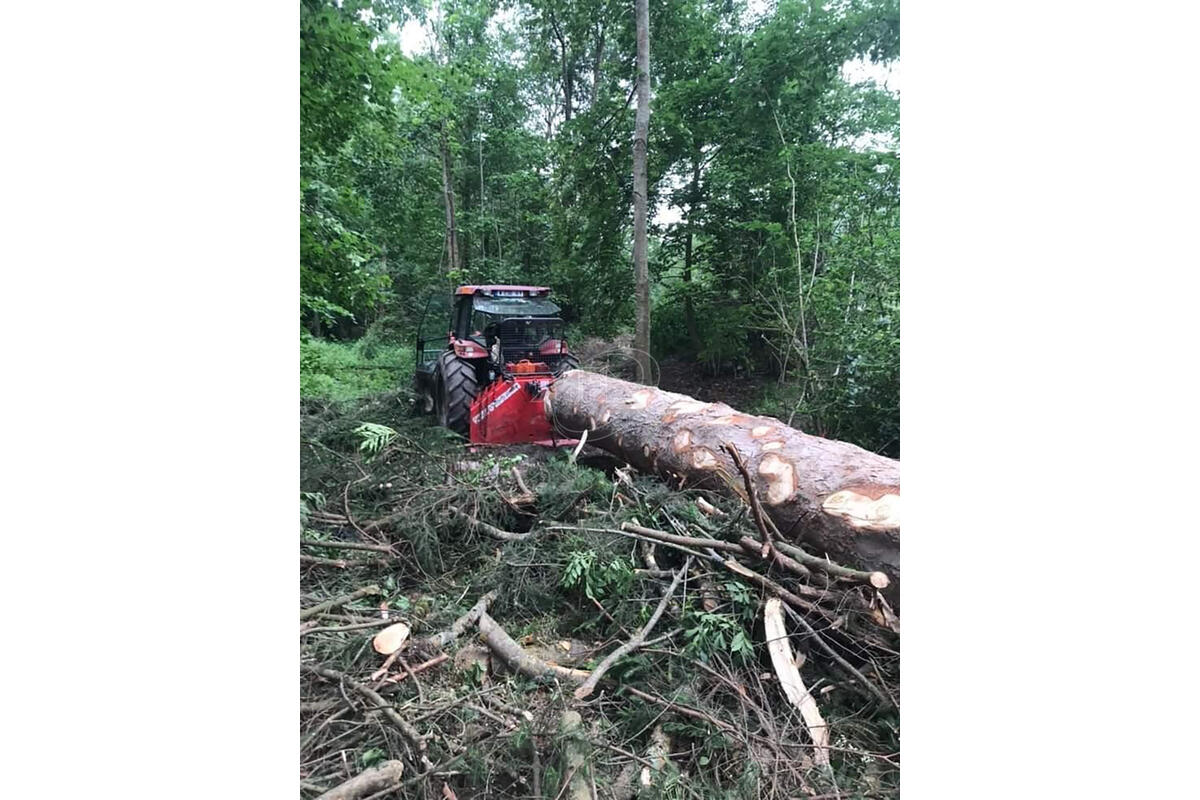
{"x": 641, "y": 340}
{"x": 568, "y": 70}
{"x": 833, "y": 497}
{"x": 455, "y": 262}
{"x": 689, "y": 309}
{"x": 596, "y": 64}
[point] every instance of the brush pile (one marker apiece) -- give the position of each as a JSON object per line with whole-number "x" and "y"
{"x": 519, "y": 622}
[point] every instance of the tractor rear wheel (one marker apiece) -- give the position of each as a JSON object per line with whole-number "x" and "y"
{"x": 456, "y": 390}
{"x": 567, "y": 362}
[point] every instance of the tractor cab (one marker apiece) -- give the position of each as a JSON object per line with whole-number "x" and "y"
{"x": 484, "y": 373}
{"x": 520, "y": 334}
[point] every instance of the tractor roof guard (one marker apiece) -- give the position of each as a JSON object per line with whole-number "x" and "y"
{"x": 515, "y": 306}
{"x": 504, "y": 290}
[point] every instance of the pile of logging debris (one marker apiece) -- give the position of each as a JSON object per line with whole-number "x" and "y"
{"x": 662, "y": 616}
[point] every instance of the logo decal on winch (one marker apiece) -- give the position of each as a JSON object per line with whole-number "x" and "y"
{"x": 492, "y": 406}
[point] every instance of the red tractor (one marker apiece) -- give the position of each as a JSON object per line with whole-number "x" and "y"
{"x": 487, "y": 378}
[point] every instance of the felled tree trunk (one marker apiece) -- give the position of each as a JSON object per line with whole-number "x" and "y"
{"x": 835, "y": 498}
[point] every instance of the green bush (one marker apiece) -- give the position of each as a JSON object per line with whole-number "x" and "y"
{"x": 347, "y": 371}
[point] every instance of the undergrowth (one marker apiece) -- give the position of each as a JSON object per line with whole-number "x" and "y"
{"x": 572, "y": 592}
{"x": 351, "y": 370}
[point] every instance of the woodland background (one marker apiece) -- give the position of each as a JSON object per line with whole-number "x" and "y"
{"x": 773, "y": 188}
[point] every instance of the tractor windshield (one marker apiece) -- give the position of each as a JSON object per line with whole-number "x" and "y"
{"x": 516, "y": 306}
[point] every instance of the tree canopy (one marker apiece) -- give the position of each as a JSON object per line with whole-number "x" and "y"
{"x": 773, "y": 180}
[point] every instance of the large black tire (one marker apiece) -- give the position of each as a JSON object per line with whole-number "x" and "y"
{"x": 456, "y": 390}
{"x": 423, "y": 396}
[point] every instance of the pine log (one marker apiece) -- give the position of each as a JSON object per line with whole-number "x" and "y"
{"x": 835, "y": 498}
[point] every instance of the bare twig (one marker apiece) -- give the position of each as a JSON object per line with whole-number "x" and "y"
{"x": 877, "y": 579}
{"x": 339, "y": 601}
{"x": 686, "y": 541}
{"x": 433, "y": 662}
{"x": 443, "y": 638}
{"x": 339, "y": 563}
{"x": 376, "y": 548}
{"x": 515, "y": 656}
{"x": 516, "y": 473}
{"x": 875, "y": 690}
{"x": 410, "y": 733}
{"x": 479, "y": 526}
{"x": 751, "y": 498}
{"x": 582, "y": 441}
{"x": 379, "y": 623}
{"x": 776, "y": 555}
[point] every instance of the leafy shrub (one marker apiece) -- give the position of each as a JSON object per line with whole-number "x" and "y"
{"x": 345, "y": 371}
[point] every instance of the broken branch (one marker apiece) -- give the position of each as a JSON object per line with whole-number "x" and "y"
{"x": 479, "y": 526}
{"x": 338, "y": 601}
{"x": 515, "y": 656}
{"x": 751, "y": 498}
{"x": 443, "y": 638}
{"x": 589, "y": 685}
{"x": 790, "y": 680}
{"x": 410, "y": 733}
{"x": 877, "y": 579}
{"x": 385, "y": 776}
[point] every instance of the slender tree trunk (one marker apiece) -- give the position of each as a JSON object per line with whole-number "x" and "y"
{"x": 568, "y": 90}
{"x": 482, "y": 208}
{"x": 454, "y": 263}
{"x": 641, "y": 341}
{"x": 689, "y": 310}
{"x": 567, "y": 71}
{"x": 596, "y": 66}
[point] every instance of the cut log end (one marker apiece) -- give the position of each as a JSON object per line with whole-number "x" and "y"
{"x": 879, "y": 580}
{"x": 780, "y": 477}
{"x": 391, "y": 638}
{"x": 863, "y": 511}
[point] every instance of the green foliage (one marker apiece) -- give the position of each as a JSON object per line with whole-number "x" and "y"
{"x": 344, "y": 371}
{"x": 314, "y": 501}
{"x": 568, "y": 487}
{"x": 708, "y": 633}
{"x": 597, "y": 578}
{"x": 374, "y": 438}
{"x": 372, "y": 756}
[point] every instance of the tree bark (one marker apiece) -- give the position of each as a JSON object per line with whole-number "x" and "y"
{"x": 641, "y": 340}
{"x": 689, "y": 311}
{"x": 837, "y": 499}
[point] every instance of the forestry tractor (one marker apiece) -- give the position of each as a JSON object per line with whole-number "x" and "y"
{"x": 486, "y": 373}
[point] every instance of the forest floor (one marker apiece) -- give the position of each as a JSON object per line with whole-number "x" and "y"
{"x": 404, "y": 522}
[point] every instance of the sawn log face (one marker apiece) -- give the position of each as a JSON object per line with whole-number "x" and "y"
{"x": 834, "y": 497}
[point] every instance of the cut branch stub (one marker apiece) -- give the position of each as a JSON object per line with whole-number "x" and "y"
{"x": 391, "y": 638}
{"x": 841, "y": 501}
